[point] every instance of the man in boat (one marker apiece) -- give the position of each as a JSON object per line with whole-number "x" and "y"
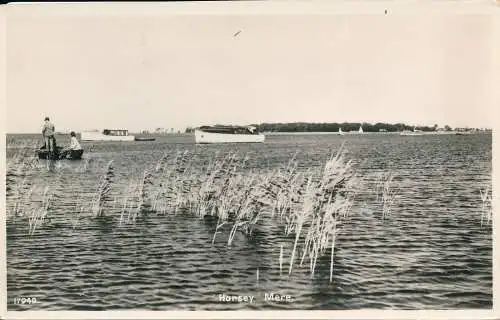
{"x": 74, "y": 145}
{"x": 48, "y": 135}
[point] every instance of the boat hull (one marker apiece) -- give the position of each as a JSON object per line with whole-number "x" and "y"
{"x": 411, "y": 134}
{"x": 212, "y": 137}
{"x": 60, "y": 155}
{"x": 98, "y": 136}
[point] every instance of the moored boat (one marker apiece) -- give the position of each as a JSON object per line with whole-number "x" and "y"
{"x": 463, "y": 133}
{"x": 415, "y": 132}
{"x": 228, "y": 134}
{"x": 107, "y": 135}
{"x": 411, "y": 133}
{"x": 144, "y": 139}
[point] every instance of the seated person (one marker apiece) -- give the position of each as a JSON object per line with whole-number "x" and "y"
{"x": 74, "y": 145}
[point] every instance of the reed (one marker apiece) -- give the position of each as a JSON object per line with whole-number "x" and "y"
{"x": 127, "y": 204}
{"x": 311, "y": 208}
{"x": 79, "y": 207}
{"x": 300, "y": 218}
{"x": 314, "y": 215}
{"x": 18, "y": 171}
{"x": 331, "y": 258}
{"x": 281, "y": 258}
{"x": 86, "y": 163}
{"x": 486, "y": 206}
{"x": 143, "y": 192}
{"x": 102, "y": 191}
{"x": 39, "y": 214}
{"x": 386, "y": 194}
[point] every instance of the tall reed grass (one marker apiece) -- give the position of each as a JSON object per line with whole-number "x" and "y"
{"x": 486, "y": 207}
{"x": 103, "y": 188}
{"x": 386, "y": 193}
{"x": 39, "y": 214}
{"x": 309, "y": 207}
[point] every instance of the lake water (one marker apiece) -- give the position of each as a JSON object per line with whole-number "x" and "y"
{"x": 431, "y": 252}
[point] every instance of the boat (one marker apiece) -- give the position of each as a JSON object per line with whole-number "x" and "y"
{"x": 340, "y": 132}
{"x": 411, "y": 133}
{"x": 144, "y": 139}
{"x": 59, "y": 154}
{"x": 107, "y": 135}
{"x": 360, "y": 131}
{"x": 228, "y": 134}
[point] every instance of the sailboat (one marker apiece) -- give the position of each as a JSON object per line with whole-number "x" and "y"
{"x": 340, "y": 131}
{"x": 360, "y": 129}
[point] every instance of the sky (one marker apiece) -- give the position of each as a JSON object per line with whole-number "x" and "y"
{"x": 140, "y": 72}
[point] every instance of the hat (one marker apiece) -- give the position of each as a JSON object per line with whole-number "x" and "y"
{"x": 47, "y": 119}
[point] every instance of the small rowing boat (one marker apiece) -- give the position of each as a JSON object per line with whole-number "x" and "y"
{"x": 59, "y": 154}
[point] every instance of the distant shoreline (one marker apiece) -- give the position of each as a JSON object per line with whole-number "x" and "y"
{"x": 350, "y": 127}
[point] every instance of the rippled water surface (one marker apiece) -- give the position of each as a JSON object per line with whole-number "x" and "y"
{"x": 431, "y": 252}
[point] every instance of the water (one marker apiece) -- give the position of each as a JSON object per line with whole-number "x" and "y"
{"x": 430, "y": 252}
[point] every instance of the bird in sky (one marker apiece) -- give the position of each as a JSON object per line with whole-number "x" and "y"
{"x": 237, "y": 33}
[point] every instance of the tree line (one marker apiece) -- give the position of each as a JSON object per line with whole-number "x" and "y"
{"x": 334, "y": 127}
{"x": 345, "y": 126}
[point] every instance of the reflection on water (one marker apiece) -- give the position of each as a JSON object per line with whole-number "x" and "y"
{"x": 430, "y": 253}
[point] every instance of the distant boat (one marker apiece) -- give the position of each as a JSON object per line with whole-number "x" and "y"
{"x": 144, "y": 139}
{"x": 463, "y": 133}
{"x": 439, "y": 132}
{"x": 411, "y": 133}
{"x": 107, "y": 135}
{"x": 360, "y": 130}
{"x": 340, "y": 132}
{"x": 228, "y": 134}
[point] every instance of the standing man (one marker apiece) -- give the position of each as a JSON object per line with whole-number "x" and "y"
{"x": 48, "y": 135}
